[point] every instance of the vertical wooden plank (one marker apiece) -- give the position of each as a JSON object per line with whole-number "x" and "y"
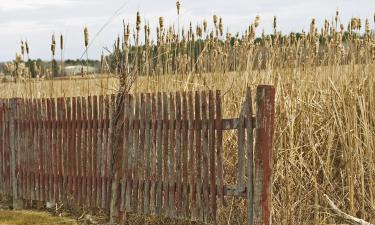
{"x": 90, "y": 153}
{"x": 116, "y": 156}
{"x": 198, "y": 159}
{"x": 205, "y": 163}
{"x": 77, "y": 152}
{"x": 108, "y": 116}
{"x": 159, "y": 146}
{"x": 135, "y": 154}
{"x": 130, "y": 149}
{"x": 124, "y": 149}
{"x": 147, "y": 151}
{"x": 84, "y": 153}
{"x": 178, "y": 160}
{"x": 60, "y": 116}
{"x": 141, "y": 153}
{"x": 165, "y": 155}
{"x": 43, "y": 148}
{"x": 153, "y": 155}
{"x": 101, "y": 150}
{"x": 212, "y": 152}
{"x": 250, "y": 156}
{"x": 49, "y": 152}
{"x": 13, "y": 149}
{"x": 48, "y": 143}
{"x": 219, "y": 147}
{"x": 265, "y": 100}
{"x": 171, "y": 157}
{"x": 192, "y": 163}
{"x": 54, "y": 150}
{"x": 73, "y": 150}
{"x": 69, "y": 147}
{"x": 241, "y": 150}
{"x": 95, "y": 151}
{"x": 185, "y": 157}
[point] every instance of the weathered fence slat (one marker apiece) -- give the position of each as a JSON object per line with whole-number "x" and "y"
{"x": 198, "y": 159}
{"x": 185, "y": 159}
{"x": 212, "y": 152}
{"x": 178, "y": 160}
{"x": 147, "y": 156}
{"x": 205, "y": 163}
{"x": 171, "y": 157}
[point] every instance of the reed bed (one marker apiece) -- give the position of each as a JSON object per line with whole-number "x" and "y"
{"x": 325, "y": 115}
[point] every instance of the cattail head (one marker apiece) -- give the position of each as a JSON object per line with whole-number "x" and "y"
{"x": 61, "y": 42}
{"x": 178, "y": 5}
{"x": 27, "y": 47}
{"x": 342, "y": 28}
{"x": 274, "y": 23}
{"x": 257, "y": 20}
{"x": 86, "y": 34}
{"x": 337, "y": 16}
{"x": 22, "y": 48}
{"x": 204, "y": 26}
{"x": 199, "y": 31}
{"x": 138, "y": 22}
{"x": 215, "y": 20}
{"x": 221, "y": 26}
{"x": 53, "y": 45}
{"x": 161, "y": 22}
{"x": 312, "y": 27}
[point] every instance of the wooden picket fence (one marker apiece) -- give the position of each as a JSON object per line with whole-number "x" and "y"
{"x": 153, "y": 153}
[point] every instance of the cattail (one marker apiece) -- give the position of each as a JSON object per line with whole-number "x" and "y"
{"x": 161, "y": 23}
{"x": 257, "y": 20}
{"x": 22, "y": 48}
{"x": 215, "y": 20}
{"x": 61, "y": 42}
{"x": 199, "y": 31}
{"x": 27, "y": 47}
{"x": 221, "y": 26}
{"x": 312, "y": 27}
{"x": 138, "y": 22}
{"x": 53, "y": 45}
{"x": 274, "y": 23}
{"x": 178, "y": 5}
{"x": 204, "y": 26}
{"x": 342, "y": 28}
{"x": 86, "y": 34}
{"x": 337, "y": 16}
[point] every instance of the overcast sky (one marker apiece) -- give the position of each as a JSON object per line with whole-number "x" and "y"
{"x": 36, "y": 20}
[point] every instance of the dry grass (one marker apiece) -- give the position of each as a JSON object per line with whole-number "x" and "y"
{"x": 323, "y": 144}
{"x": 31, "y": 218}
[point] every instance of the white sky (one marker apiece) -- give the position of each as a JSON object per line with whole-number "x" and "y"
{"x": 36, "y": 20}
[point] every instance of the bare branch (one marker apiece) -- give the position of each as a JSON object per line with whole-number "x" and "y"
{"x": 340, "y": 214}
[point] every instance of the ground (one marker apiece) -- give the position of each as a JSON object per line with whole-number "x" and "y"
{"x": 8, "y": 217}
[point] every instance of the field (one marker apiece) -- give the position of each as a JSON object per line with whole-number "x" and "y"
{"x": 325, "y": 111}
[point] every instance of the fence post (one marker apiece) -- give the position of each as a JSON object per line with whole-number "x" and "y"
{"x": 17, "y": 203}
{"x": 265, "y": 100}
{"x": 250, "y": 156}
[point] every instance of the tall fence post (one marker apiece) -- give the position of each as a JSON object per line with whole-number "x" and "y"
{"x": 250, "y": 156}
{"x": 13, "y": 103}
{"x": 265, "y": 100}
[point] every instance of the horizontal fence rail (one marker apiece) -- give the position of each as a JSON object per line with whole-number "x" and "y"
{"x": 148, "y": 153}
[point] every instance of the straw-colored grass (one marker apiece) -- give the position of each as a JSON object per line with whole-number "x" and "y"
{"x": 32, "y": 218}
{"x": 324, "y": 140}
